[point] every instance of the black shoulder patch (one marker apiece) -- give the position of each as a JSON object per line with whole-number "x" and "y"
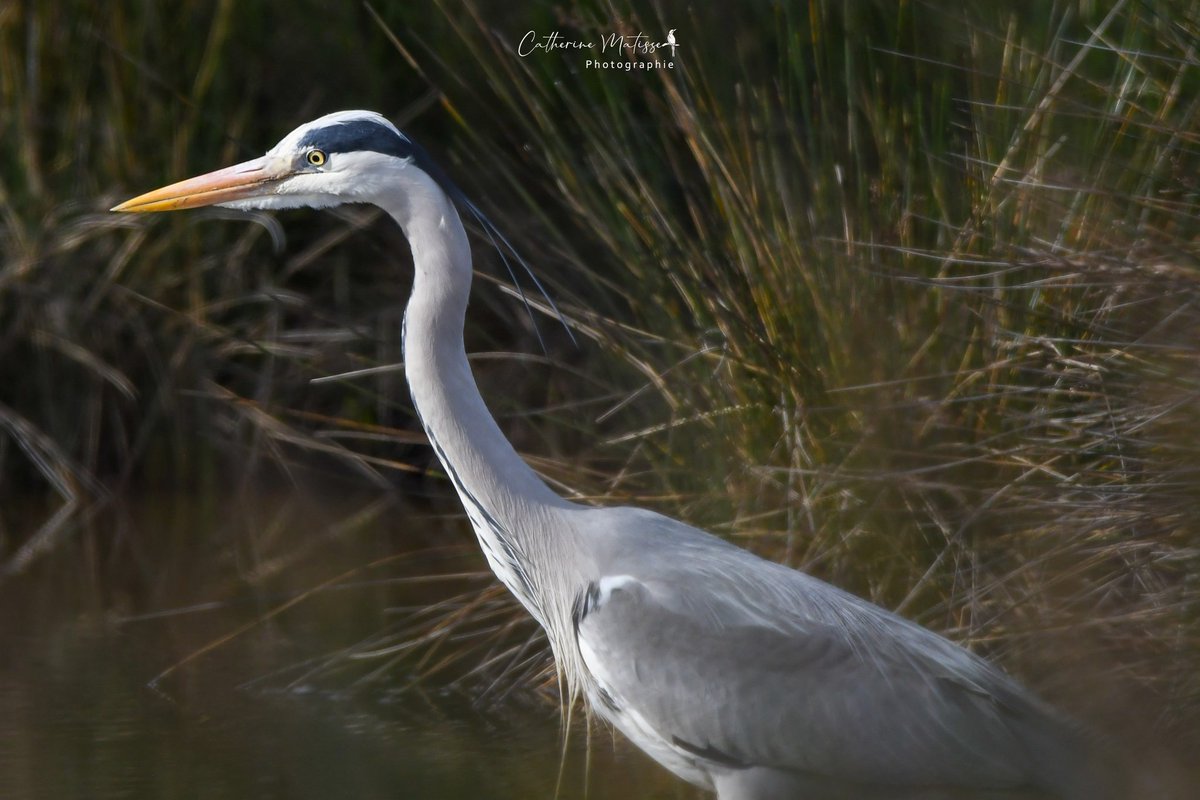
{"x": 585, "y": 602}
{"x": 709, "y": 753}
{"x": 607, "y": 700}
{"x": 356, "y": 136}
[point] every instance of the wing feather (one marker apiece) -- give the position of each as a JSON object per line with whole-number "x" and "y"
{"x": 877, "y": 701}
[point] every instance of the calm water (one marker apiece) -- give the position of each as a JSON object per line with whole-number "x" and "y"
{"x": 85, "y": 631}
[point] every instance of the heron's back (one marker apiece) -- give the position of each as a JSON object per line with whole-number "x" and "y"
{"x": 726, "y": 668}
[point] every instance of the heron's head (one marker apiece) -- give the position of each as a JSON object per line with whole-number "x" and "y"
{"x": 345, "y": 157}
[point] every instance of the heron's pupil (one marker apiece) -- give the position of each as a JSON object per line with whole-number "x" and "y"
{"x": 316, "y": 157}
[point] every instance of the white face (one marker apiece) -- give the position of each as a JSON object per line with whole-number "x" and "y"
{"x": 340, "y": 178}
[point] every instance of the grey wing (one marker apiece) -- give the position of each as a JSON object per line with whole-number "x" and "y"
{"x": 812, "y": 700}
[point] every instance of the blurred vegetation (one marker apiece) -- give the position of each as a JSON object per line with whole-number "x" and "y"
{"x": 904, "y": 294}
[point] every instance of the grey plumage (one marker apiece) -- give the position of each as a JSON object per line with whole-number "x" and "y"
{"x": 740, "y": 675}
{"x": 763, "y": 674}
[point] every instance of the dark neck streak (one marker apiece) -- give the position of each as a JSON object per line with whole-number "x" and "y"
{"x": 503, "y": 497}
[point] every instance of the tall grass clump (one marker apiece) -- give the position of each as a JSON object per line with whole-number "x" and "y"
{"x": 902, "y": 294}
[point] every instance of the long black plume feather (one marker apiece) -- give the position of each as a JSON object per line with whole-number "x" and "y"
{"x": 497, "y": 239}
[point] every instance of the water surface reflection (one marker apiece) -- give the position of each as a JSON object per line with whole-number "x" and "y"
{"x": 83, "y": 633}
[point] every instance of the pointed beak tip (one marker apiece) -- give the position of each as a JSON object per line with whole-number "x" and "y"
{"x": 133, "y": 206}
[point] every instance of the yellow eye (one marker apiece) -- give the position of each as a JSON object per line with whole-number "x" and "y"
{"x": 316, "y": 157}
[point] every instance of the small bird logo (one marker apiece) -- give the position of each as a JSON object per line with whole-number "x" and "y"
{"x": 671, "y": 41}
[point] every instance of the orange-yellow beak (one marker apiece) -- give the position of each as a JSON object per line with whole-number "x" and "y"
{"x": 248, "y": 179}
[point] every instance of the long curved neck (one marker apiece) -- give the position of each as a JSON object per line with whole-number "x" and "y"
{"x": 486, "y": 470}
{"x": 516, "y": 517}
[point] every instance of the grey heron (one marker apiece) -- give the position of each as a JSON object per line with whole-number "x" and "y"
{"x": 738, "y": 674}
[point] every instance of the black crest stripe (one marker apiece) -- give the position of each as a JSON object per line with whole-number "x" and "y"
{"x": 365, "y": 135}
{"x": 356, "y": 136}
